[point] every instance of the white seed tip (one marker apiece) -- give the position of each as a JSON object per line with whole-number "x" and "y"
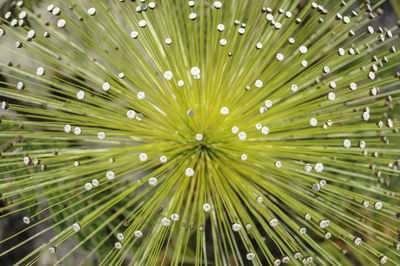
{"x": 143, "y": 157}
{"x": 206, "y": 207}
{"x": 217, "y": 4}
{"x": 189, "y": 172}
{"x": 76, "y": 227}
{"x": 224, "y": 110}
{"x": 236, "y": 227}
{"x": 199, "y": 137}
{"x": 61, "y": 23}
{"x": 92, "y": 11}
{"x": 174, "y": 217}
{"x": 168, "y": 75}
{"x": 110, "y": 175}
{"x": 131, "y": 114}
{"x": 242, "y": 136}
{"x": 138, "y": 234}
{"x": 313, "y": 122}
{"x": 88, "y": 186}
{"x": 152, "y": 181}
{"x": 165, "y": 221}
{"x": 163, "y": 159}
{"x": 250, "y": 256}
{"x": 106, "y": 86}
{"x": 258, "y": 84}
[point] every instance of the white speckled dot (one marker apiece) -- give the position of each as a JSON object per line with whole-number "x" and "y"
{"x": 235, "y": 130}
{"x": 224, "y": 111}
{"x": 279, "y": 57}
{"x": 163, "y": 159}
{"x": 101, "y": 135}
{"x": 67, "y": 128}
{"x": 141, "y": 95}
{"x": 80, "y": 95}
{"x": 134, "y": 34}
{"x": 347, "y": 143}
{"x": 189, "y": 172}
{"x": 95, "y": 182}
{"x": 192, "y": 16}
{"x": 92, "y": 11}
{"x": 313, "y": 122}
{"x": 236, "y": 227}
{"x": 106, "y": 86}
{"x": 131, "y": 114}
{"x": 217, "y": 4}
{"x": 199, "y": 137}
{"x": 250, "y": 256}
{"x": 265, "y": 130}
{"x": 303, "y": 49}
{"x": 258, "y": 84}
{"x": 143, "y": 157}
{"x": 88, "y": 186}
{"x": 40, "y": 71}
{"x": 168, "y": 75}
{"x": 142, "y": 23}
{"x": 174, "y": 217}
{"x": 331, "y": 96}
{"x": 61, "y": 23}
{"x": 110, "y": 175}
{"x": 152, "y": 181}
{"x": 165, "y": 221}
{"x": 76, "y": 227}
{"x": 77, "y": 130}
{"x": 319, "y": 167}
{"x": 206, "y": 207}
{"x": 242, "y": 136}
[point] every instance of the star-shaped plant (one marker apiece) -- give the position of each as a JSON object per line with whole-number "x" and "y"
{"x": 201, "y": 132}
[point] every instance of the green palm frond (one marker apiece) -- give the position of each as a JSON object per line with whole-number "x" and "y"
{"x": 396, "y": 7}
